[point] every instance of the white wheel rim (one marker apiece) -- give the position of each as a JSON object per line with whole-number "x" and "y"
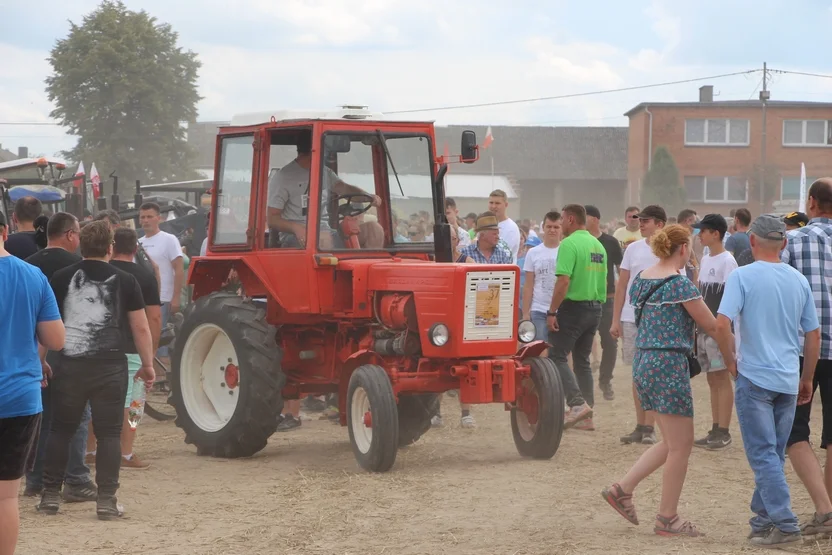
{"x": 526, "y": 429}
{"x": 361, "y": 433}
{"x": 209, "y": 400}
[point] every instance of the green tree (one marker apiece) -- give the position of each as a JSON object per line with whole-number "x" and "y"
{"x": 661, "y": 183}
{"x": 122, "y": 85}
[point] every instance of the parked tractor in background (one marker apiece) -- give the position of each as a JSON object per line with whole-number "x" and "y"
{"x": 388, "y": 324}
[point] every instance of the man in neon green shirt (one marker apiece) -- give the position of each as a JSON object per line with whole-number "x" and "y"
{"x": 575, "y": 312}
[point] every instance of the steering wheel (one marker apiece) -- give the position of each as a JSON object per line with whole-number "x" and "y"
{"x": 349, "y": 209}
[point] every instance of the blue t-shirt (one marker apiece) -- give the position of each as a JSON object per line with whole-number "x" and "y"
{"x": 26, "y": 299}
{"x": 738, "y": 243}
{"x": 771, "y": 302}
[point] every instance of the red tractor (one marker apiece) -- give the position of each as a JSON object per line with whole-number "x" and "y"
{"x": 364, "y": 303}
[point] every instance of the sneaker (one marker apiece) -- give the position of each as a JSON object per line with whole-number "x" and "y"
{"x": 134, "y": 463}
{"x": 50, "y": 502}
{"x": 633, "y": 437}
{"x": 313, "y": 404}
{"x": 819, "y": 525}
{"x": 288, "y": 423}
{"x": 453, "y": 393}
{"x": 330, "y": 413}
{"x": 80, "y": 493}
{"x": 609, "y": 394}
{"x": 280, "y": 418}
{"x": 436, "y": 421}
{"x": 648, "y": 436}
{"x": 718, "y": 441}
{"x": 775, "y": 537}
{"x": 109, "y": 508}
{"x": 32, "y": 491}
{"x": 576, "y": 414}
{"x": 89, "y": 459}
{"x": 585, "y": 425}
{"x": 467, "y": 422}
{"x": 703, "y": 442}
{"x": 760, "y": 533}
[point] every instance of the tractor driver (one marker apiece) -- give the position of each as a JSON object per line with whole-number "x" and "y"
{"x": 289, "y": 198}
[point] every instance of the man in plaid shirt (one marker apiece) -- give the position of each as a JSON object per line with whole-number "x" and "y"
{"x": 488, "y": 249}
{"x": 809, "y": 250}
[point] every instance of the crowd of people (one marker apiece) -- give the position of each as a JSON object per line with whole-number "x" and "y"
{"x": 88, "y": 301}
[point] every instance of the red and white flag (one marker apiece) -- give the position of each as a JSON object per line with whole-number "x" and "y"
{"x": 95, "y": 179}
{"x": 489, "y": 138}
{"x": 80, "y": 175}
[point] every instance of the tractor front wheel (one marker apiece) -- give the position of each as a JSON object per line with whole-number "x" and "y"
{"x": 537, "y": 419}
{"x": 415, "y": 414}
{"x": 372, "y": 418}
{"x": 227, "y": 380}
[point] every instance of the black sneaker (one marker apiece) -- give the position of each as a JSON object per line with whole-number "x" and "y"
{"x": 108, "y": 508}
{"x": 775, "y": 537}
{"x": 50, "y": 502}
{"x": 288, "y": 423}
{"x": 80, "y": 493}
{"x": 609, "y": 394}
{"x": 313, "y": 404}
{"x": 719, "y": 440}
{"x": 633, "y": 437}
{"x": 32, "y": 491}
{"x": 705, "y": 440}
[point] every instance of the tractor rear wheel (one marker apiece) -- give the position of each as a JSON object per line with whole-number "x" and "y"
{"x": 537, "y": 419}
{"x": 372, "y": 418}
{"x": 227, "y": 381}
{"x": 415, "y": 413}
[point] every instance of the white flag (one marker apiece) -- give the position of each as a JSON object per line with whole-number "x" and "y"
{"x": 801, "y": 204}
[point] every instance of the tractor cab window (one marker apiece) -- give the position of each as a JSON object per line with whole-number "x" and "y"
{"x": 356, "y": 163}
{"x": 234, "y": 191}
{"x": 290, "y": 161}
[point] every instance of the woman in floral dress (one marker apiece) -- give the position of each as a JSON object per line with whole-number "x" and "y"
{"x": 667, "y": 305}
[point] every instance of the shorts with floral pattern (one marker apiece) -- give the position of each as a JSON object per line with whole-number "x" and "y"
{"x": 662, "y": 381}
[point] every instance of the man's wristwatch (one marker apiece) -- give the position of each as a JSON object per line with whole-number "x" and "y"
{"x": 550, "y": 313}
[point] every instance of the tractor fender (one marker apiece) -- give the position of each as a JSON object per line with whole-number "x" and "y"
{"x": 533, "y": 349}
{"x": 210, "y": 274}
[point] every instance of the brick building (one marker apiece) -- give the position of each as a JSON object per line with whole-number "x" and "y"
{"x": 717, "y": 146}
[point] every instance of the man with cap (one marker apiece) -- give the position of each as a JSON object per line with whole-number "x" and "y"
{"x": 795, "y": 220}
{"x": 714, "y": 270}
{"x": 488, "y": 249}
{"x": 809, "y": 251}
{"x": 288, "y": 200}
{"x": 609, "y": 344}
{"x": 637, "y": 257}
{"x": 768, "y": 302}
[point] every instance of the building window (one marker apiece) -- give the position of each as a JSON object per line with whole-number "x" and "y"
{"x": 716, "y": 189}
{"x": 717, "y": 132}
{"x": 810, "y": 132}
{"x": 790, "y": 187}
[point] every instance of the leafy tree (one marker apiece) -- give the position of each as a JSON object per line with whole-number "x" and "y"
{"x": 123, "y": 86}
{"x": 662, "y": 185}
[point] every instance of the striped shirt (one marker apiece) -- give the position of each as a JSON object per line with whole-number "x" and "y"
{"x": 500, "y": 255}
{"x": 809, "y": 251}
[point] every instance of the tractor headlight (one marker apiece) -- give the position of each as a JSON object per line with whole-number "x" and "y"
{"x": 526, "y": 331}
{"x": 439, "y": 334}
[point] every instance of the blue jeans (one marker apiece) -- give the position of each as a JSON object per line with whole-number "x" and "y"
{"x": 539, "y": 321}
{"x": 77, "y": 472}
{"x": 165, "y": 310}
{"x": 766, "y": 419}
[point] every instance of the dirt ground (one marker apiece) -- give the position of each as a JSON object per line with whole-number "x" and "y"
{"x": 455, "y": 491}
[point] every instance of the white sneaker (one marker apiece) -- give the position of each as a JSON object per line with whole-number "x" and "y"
{"x": 436, "y": 421}
{"x": 468, "y": 422}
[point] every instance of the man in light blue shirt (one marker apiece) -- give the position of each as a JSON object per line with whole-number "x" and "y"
{"x": 769, "y": 303}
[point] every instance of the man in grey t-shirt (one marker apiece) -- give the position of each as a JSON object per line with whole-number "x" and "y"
{"x": 289, "y": 198}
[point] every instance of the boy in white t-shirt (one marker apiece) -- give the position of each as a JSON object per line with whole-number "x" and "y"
{"x": 509, "y": 231}
{"x": 539, "y": 267}
{"x": 713, "y": 273}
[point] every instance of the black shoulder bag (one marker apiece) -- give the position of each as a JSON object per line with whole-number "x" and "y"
{"x": 693, "y": 362}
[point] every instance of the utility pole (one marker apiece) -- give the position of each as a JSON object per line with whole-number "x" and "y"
{"x": 764, "y": 96}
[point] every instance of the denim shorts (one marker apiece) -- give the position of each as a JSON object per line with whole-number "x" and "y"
{"x": 541, "y": 329}
{"x": 134, "y": 363}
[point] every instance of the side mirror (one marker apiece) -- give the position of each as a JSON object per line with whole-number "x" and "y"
{"x": 468, "y": 148}
{"x": 337, "y": 143}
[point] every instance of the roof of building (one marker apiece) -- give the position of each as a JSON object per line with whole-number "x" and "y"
{"x": 7, "y": 156}
{"x": 741, "y": 104}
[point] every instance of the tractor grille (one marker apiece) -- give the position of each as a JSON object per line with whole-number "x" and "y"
{"x": 489, "y": 306}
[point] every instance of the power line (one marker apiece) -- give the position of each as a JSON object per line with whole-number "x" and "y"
{"x": 800, "y": 73}
{"x": 574, "y": 95}
{"x": 28, "y": 123}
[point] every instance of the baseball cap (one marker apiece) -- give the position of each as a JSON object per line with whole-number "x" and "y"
{"x": 796, "y": 218}
{"x": 715, "y": 222}
{"x": 653, "y": 211}
{"x": 487, "y": 220}
{"x": 592, "y": 211}
{"x": 3, "y": 220}
{"x": 769, "y": 226}
{"x": 533, "y": 241}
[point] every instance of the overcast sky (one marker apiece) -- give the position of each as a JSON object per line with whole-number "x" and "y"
{"x": 399, "y": 55}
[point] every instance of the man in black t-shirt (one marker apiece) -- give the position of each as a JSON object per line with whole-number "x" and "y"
{"x": 63, "y": 239}
{"x": 101, "y": 306}
{"x": 609, "y": 344}
{"x": 22, "y": 243}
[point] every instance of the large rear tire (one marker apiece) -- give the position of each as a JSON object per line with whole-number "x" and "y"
{"x": 226, "y": 378}
{"x": 415, "y": 413}
{"x": 537, "y": 420}
{"x": 372, "y": 418}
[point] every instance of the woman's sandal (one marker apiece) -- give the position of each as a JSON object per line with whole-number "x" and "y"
{"x": 670, "y": 527}
{"x": 621, "y": 502}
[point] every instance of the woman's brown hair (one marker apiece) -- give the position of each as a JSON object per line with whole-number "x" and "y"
{"x": 668, "y": 240}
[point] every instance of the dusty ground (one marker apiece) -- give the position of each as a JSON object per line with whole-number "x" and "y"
{"x": 456, "y": 491}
